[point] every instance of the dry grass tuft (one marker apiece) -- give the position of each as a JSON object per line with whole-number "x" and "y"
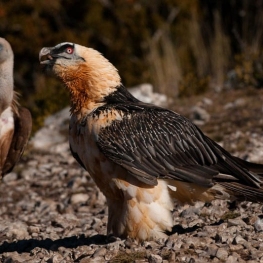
{"x": 199, "y": 58}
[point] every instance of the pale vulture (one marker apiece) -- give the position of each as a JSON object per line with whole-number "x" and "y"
{"x": 15, "y": 121}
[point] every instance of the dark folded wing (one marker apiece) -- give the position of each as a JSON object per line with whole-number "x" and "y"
{"x": 159, "y": 143}
{"x": 23, "y": 126}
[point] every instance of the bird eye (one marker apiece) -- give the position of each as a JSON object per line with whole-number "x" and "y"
{"x": 69, "y": 50}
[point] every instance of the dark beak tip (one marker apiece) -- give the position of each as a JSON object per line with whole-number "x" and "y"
{"x": 44, "y": 55}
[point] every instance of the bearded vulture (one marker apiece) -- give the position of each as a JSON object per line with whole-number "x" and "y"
{"x": 15, "y": 121}
{"x": 141, "y": 156}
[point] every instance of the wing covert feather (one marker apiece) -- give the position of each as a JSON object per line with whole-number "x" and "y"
{"x": 154, "y": 144}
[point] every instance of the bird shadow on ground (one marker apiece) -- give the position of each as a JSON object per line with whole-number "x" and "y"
{"x": 21, "y": 246}
{"x": 28, "y": 245}
{"x": 180, "y": 230}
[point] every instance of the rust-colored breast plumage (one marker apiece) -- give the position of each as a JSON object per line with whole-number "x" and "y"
{"x": 135, "y": 208}
{"x": 84, "y": 133}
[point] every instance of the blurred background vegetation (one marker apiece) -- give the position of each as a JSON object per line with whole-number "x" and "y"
{"x": 181, "y": 47}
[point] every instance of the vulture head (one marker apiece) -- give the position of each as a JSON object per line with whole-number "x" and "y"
{"x": 88, "y": 75}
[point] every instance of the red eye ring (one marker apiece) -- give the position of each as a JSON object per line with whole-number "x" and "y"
{"x": 69, "y": 50}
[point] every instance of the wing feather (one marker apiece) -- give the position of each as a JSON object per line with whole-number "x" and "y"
{"x": 161, "y": 144}
{"x": 152, "y": 142}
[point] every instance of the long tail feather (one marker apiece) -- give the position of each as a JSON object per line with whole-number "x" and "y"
{"x": 244, "y": 192}
{"x": 253, "y": 167}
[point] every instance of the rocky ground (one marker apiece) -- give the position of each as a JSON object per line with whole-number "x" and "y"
{"x": 51, "y": 211}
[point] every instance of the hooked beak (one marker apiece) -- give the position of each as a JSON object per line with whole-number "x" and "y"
{"x": 45, "y": 56}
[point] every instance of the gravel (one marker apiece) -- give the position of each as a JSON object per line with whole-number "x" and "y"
{"x": 51, "y": 211}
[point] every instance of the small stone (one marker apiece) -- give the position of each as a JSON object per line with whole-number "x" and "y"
{"x": 129, "y": 243}
{"x": 235, "y": 247}
{"x": 255, "y": 254}
{"x": 100, "y": 252}
{"x": 222, "y": 254}
{"x": 227, "y": 238}
{"x": 170, "y": 242}
{"x": 202, "y": 234}
{"x": 177, "y": 245}
{"x": 56, "y": 259}
{"x": 258, "y": 225}
{"x": 199, "y": 115}
{"x": 240, "y": 102}
{"x": 207, "y": 101}
{"x": 94, "y": 260}
{"x": 33, "y": 229}
{"x": 155, "y": 259}
{"x": 144, "y": 92}
{"x": 212, "y": 250}
{"x": 16, "y": 257}
{"x": 239, "y": 240}
{"x": 236, "y": 222}
{"x": 17, "y": 230}
{"x": 79, "y": 198}
{"x": 229, "y": 105}
{"x": 10, "y": 177}
{"x": 190, "y": 212}
{"x": 172, "y": 257}
{"x": 196, "y": 222}
{"x": 231, "y": 259}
